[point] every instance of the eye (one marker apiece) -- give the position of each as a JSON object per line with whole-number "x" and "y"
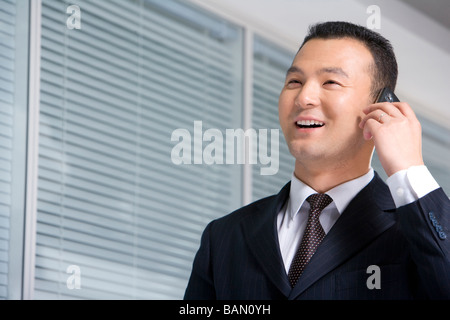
{"x": 332, "y": 82}
{"x": 293, "y": 83}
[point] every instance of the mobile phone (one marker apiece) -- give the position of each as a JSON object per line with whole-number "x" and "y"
{"x": 386, "y": 95}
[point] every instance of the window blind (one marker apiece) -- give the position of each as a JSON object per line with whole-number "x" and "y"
{"x": 7, "y": 78}
{"x": 270, "y": 64}
{"x": 436, "y": 151}
{"x": 110, "y": 200}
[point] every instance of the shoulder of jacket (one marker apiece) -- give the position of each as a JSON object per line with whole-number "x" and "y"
{"x": 249, "y": 209}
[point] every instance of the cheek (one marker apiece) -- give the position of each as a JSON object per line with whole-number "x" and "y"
{"x": 345, "y": 116}
{"x": 345, "y": 106}
{"x": 284, "y": 107}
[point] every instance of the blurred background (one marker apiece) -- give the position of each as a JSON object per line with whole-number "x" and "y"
{"x": 91, "y": 204}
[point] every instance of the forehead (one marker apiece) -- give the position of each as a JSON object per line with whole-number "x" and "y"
{"x": 348, "y": 54}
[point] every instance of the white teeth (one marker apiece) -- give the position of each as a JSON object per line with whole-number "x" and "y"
{"x": 309, "y": 123}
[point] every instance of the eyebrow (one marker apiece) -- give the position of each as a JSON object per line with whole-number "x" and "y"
{"x": 335, "y": 70}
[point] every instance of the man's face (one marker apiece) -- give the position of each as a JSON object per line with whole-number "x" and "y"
{"x": 320, "y": 106}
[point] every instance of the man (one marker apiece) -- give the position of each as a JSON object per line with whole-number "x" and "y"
{"x": 363, "y": 239}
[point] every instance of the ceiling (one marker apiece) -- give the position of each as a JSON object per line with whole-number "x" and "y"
{"x": 438, "y": 10}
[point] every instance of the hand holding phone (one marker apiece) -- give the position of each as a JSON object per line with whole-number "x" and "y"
{"x": 395, "y": 131}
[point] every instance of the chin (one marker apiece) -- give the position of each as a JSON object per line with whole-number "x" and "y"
{"x": 300, "y": 151}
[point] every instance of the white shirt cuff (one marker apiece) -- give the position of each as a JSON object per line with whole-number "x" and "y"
{"x": 409, "y": 185}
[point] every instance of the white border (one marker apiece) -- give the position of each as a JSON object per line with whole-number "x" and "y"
{"x": 32, "y": 149}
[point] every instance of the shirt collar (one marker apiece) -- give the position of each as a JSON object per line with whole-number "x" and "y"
{"x": 341, "y": 194}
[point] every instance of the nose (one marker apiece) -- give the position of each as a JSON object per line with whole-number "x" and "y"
{"x": 307, "y": 96}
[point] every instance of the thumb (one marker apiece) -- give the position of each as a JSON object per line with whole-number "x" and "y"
{"x": 370, "y": 128}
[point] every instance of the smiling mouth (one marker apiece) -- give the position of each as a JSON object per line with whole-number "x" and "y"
{"x": 309, "y": 124}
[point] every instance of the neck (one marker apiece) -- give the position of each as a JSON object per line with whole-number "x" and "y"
{"x": 323, "y": 178}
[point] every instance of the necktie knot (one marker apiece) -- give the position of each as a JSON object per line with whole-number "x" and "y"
{"x": 319, "y": 201}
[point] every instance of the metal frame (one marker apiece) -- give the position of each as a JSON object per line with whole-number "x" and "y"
{"x": 32, "y": 149}
{"x": 248, "y": 110}
{"x": 19, "y": 149}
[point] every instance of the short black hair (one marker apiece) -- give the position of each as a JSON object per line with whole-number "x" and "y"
{"x": 385, "y": 69}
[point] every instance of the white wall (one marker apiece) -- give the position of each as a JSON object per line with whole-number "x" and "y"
{"x": 422, "y": 46}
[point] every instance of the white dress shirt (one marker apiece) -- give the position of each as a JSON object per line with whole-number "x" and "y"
{"x": 406, "y": 186}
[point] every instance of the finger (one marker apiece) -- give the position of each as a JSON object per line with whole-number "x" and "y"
{"x": 387, "y": 107}
{"x": 378, "y": 115}
{"x": 405, "y": 109}
{"x": 370, "y": 127}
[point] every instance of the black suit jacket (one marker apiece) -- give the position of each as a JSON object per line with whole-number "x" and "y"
{"x": 239, "y": 255}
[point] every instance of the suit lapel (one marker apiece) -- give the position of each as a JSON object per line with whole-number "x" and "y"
{"x": 261, "y": 236}
{"x": 362, "y": 221}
